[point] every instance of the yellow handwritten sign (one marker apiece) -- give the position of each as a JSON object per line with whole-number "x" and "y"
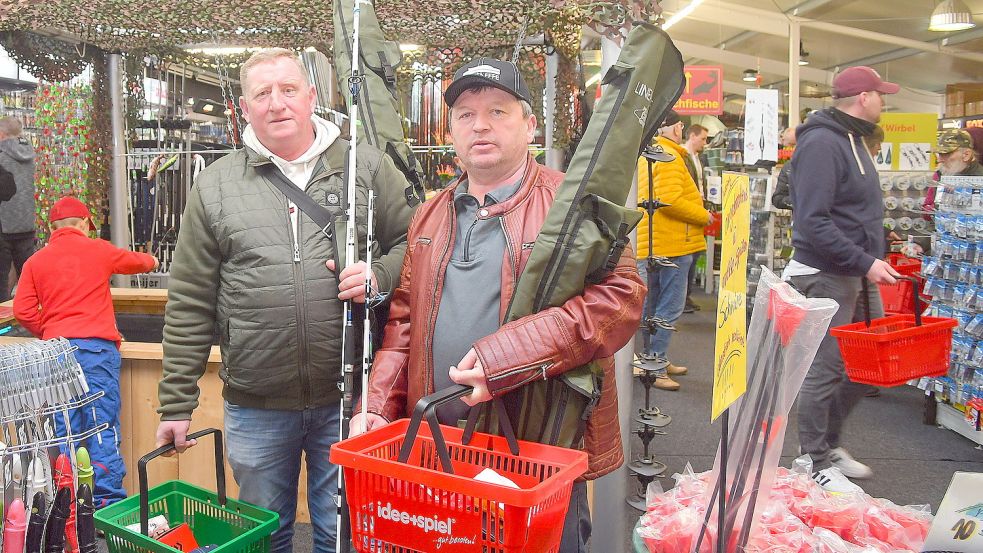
{"x": 730, "y": 352}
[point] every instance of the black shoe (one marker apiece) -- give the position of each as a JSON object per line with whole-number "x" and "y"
{"x": 690, "y": 306}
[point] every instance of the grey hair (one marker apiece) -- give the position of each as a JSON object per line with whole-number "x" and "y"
{"x": 11, "y": 127}
{"x": 267, "y": 55}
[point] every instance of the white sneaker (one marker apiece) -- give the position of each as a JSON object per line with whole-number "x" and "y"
{"x": 849, "y": 466}
{"x": 833, "y": 481}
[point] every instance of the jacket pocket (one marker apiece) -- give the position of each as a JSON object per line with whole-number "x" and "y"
{"x": 604, "y": 239}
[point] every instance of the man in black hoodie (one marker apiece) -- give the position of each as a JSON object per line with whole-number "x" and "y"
{"x": 17, "y": 215}
{"x": 838, "y": 234}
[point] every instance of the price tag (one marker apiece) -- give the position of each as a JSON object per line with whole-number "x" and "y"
{"x": 958, "y": 526}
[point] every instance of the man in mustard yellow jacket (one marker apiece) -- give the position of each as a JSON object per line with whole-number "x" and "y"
{"x": 677, "y": 235}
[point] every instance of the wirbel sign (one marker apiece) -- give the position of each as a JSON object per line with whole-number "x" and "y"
{"x": 426, "y": 523}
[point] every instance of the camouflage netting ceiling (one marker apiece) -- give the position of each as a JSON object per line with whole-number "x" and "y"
{"x": 125, "y": 25}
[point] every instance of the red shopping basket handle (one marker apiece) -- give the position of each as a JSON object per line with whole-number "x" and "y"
{"x": 914, "y": 292}
{"x": 142, "y": 470}
{"x": 427, "y": 408}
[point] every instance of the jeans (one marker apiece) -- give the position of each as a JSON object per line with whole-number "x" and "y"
{"x": 264, "y": 448}
{"x": 827, "y": 395}
{"x": 666, "y": 299}
{"x": 100, "y": 363}
{"x": 576, "y": 524}
{"x": 14, "y": 249}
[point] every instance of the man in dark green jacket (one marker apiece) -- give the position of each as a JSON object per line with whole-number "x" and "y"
{"x": 251, "y": 264}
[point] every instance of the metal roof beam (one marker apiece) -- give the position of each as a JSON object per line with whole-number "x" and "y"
{"x": 776, "y": 23}
{"x": 932, "y": 99}
{"x": 933, "y": 47}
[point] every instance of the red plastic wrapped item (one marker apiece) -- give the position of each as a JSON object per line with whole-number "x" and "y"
{"x": 676, "y": 534}
{"x": 791, "y": 542}
{"x": 828, "y": 542}
{"x": 840, "y": 514}
{"x": 781, "y": 531}
{"x": 661, "y": 506}
{"x": 915, "y": 520}
{"x": 884, "y": 528}
{"x": 793, "y": 487}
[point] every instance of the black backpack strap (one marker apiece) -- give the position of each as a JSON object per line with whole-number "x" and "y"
{"x": 410, "y": 168}
{"x": 618, "y": 238}
{"x": 317, "y": 213}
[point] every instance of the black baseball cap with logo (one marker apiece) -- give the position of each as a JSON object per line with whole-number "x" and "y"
{"x": 487, "y": 72}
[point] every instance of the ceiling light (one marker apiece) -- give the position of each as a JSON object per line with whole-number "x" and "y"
{"x": 678, "y": 16}
{"x": 951, "y": 15}
{"x": 750, "y": 75}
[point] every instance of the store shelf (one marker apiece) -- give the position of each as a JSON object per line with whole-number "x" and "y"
{"x": 951, "y": 418}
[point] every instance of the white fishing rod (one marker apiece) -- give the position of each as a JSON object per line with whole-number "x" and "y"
{"x": 348, "y": 333}
{"x": 367, "y": 324}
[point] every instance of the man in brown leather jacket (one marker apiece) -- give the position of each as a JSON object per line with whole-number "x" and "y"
{"x": 466, "y": 249}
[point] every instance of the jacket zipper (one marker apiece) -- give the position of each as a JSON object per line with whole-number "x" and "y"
{"x": 303, "y": 369}
{"x": 301, "y": 325}
{"x": 558, "y": 417}
{"x": 512, "y": 259}
{"x": 428, "y": 373}
{"x": 541, "y": 367}
{"x": 467, "y": 240}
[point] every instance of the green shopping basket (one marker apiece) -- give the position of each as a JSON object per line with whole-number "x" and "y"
{"x": 234, "y": 526}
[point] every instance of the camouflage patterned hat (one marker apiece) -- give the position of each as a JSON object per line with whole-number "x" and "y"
{"x": 951, "y": 140}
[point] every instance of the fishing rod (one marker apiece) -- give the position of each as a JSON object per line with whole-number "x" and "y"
{"x": 348, "y": 331}
{"x": 367, "y": 323}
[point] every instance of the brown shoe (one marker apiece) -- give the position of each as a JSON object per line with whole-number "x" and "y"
{"x": 676, "y": 371}
{"x": 666, "y": 383}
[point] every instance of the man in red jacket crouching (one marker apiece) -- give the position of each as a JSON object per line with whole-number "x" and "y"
{"x": 64, "y": 292}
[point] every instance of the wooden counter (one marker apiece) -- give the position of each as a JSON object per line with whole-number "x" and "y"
{"x": 125, "y": 300}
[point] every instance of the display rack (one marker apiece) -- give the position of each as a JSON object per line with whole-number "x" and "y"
{"x": 40, "y": 381}
{"x": 954, "y": 278}
{"x": 20, "y": 104}
{"x": 771, "y": 247}
{"x": 904, "y": 194}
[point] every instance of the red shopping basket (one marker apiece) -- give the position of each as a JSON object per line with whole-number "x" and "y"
{"x": 905, "y": 266}
{"x": 893, "y": 350}
{"x": 400, "y": 499}
{"x": 897, "y": 297}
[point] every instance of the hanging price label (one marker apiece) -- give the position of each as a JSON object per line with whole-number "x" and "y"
{"x": 958, "y": 526}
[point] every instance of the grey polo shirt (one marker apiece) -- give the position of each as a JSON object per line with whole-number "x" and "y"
{"x": 471, "y": 298}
